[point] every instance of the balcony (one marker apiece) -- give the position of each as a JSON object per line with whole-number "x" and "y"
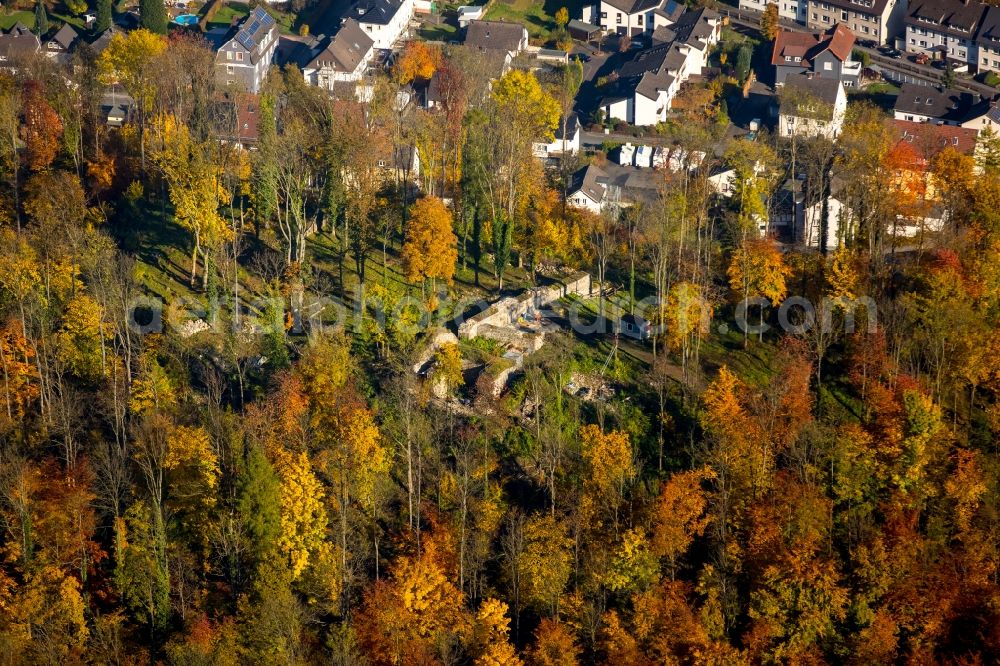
{"x": 850, "y": 70}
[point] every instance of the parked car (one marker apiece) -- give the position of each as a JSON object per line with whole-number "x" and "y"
{"x": 890, "y": 52}
{"x": 582, "y": 57}
{"x": 867, "y": 43}
{"x": 921, "y": 58}
{"x": 940, "y": 64}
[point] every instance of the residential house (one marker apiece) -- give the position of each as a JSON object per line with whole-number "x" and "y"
{"x": 245, "y": 52}
{"x": 593, "y": 188}
{"x": 988, "y": 41}
{"x": 811, "y": 106}
{"x": 345, "y": 57}
{"x": 795, "y": 10}
{"x": 877, "y": 20}
{"x": 499, "y": 38}
{"x": 102, "y": 40}
{"x": 469, "y": 13}
{"x": 633, "y": 17}
{"x": 917, "y": 146}
{"x": 16, "y": 44}
{"x": 945, "y": 28}
{"x": 935, "y": 104}
{"x": 235, "y": 118}
{"x": 825, "y": 54}
{"x": 61, "y": 44}
{"x": 400, "y": 165}
{"x": 567, "y": 143}
{"x": 385, "y": 21}
{"x": 647, "y": 84}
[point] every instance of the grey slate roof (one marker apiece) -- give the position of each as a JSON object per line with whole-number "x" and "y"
{"x": 942, "y": 103}
{"x": 811, "y": 88}
{"x": 342, "y": 52}
{"x": 949, "y": 16}
{"x": 379, "y": 12}
{"x": 18, "y": 42}
{"x": 494, "y": 36}
{"x": 65, "y": 38}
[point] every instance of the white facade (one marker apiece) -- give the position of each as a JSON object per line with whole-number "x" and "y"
{"x": 795, "y": 10}
{"x": 579, "y": 199}
{"x": 792, "y": 125}
{"x": 615, "y": 20}
{"x": 386, "y": 35}
{"x": 554, "y": 148}
{"x": 930, "y": 41}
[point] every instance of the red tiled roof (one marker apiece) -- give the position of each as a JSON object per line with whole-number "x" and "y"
{"x": 928, "y": 139}
{"x": 789, "y": 43}
{"x": 839, "y": 40}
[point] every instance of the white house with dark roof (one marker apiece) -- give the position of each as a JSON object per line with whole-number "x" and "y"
{"x": 647, "y": 84}
{"x": 345, "y": 57}
{"x": 500, "y": 38}
{"x": 385, "y": 21}
{"x": 61, "y": 44}
{"x": 633, "y": 17}
{"x": 594, "y": 188}
{"x": 245, "y": 52}
{"x": 567, "y": 143}
{"x": 812, "y": 106}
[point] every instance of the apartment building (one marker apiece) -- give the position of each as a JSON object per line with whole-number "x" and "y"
{"x": 877, "y": 20}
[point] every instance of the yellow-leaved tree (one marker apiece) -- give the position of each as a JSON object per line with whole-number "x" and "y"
{"x": 610, "y": 465}
{"x": 303, "y": 515}
{"x": 196, "y": 190}
{"x": 81, "y": 338}
{"x": 492, "y": 635}
{"x": 758, "y": 269}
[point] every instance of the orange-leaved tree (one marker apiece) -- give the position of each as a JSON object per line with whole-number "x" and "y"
{"x": 431, "y": 248}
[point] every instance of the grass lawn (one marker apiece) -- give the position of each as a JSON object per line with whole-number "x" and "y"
{"x": 881, "y": 88}
{"x": 238, "y": 10}
{"x": 230, "y": 11}
{"x": 7, "y": 21}
{"x": 529, "y": 12}
{"x": 442, "y": 32}
{"x": 27, "y": 18}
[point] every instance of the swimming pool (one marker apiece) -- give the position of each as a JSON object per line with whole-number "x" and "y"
{"x": 187, "y": 19}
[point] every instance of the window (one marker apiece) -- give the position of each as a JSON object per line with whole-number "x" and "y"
{"x": 814, "y": 16}
{"x": 788, "y": 58}
{"x": 798, "y": 59}
{"x": 230, "y": 82}
{"x": 619, "y": 17}
{"x": 239, "y": 56}
{"x": 229, "y": 55}
{"x": 843, "y": 16}
{"x": 827, "y": 66}
{"x": 604, "y": 15}
{"x": 639, "y": 19}
{"x": 229, "y": 69}
{"x": 908, "y": 117}
{"x": 826, "y": 19}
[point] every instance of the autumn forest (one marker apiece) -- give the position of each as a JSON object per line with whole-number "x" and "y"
{"x": 200, "y": 464}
